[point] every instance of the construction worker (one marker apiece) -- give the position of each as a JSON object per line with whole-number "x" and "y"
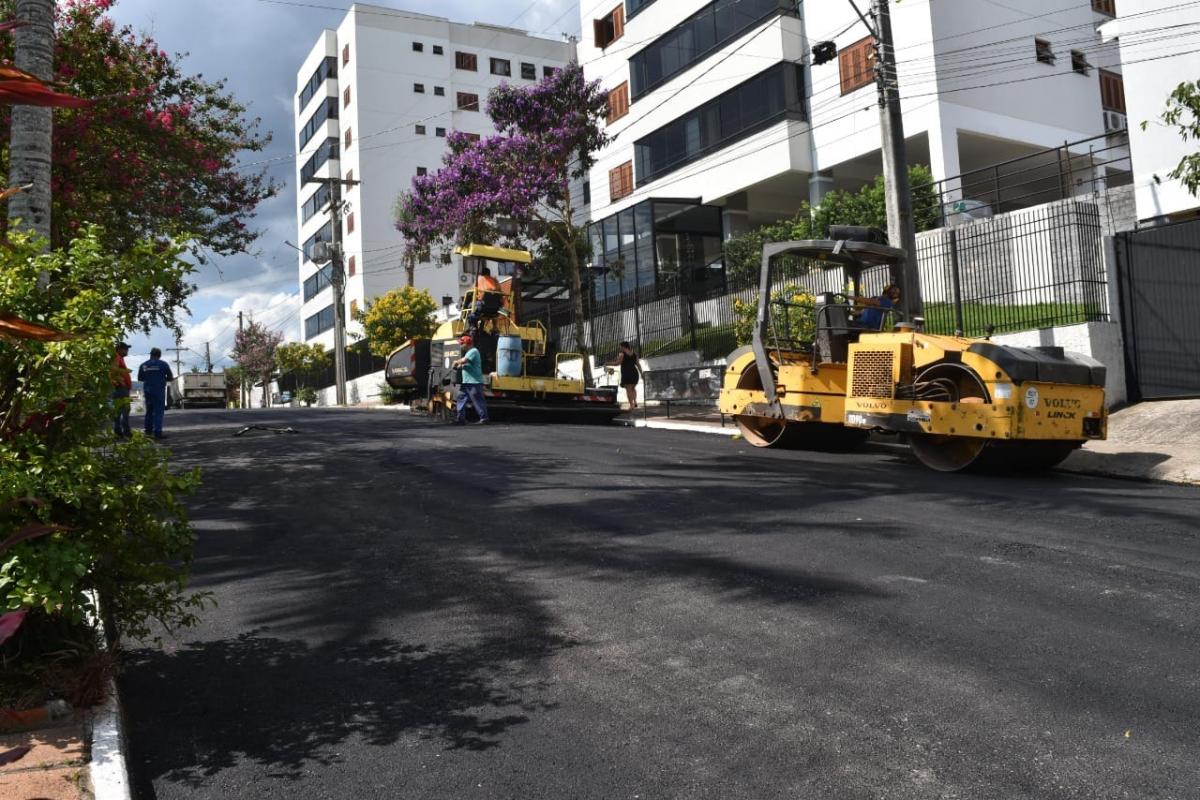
{"x": 487, "y": 295}
{"x": 122, "y": 385}
{"x": 471, "y": 388}
{"x": 155, "y": 374}
{"x": 871, "y": 317}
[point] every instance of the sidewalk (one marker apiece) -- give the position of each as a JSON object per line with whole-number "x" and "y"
{"x": 1157, "y": 441}
{"x": 46, "y": 764}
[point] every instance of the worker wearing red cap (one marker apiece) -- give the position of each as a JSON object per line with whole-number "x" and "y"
{"x": 471, "y": 389}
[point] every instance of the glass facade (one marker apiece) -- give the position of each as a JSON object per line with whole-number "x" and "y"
{"x": 316, "y": 283}
{"x": 743, "y": 110}
{"x": 634, "y": 6}
{"x": 323, "y": 235}
{"x": 326, "y": 111}
{"x": 318, "y": 323}
{"x": 326, "y": 70}
{"x": 658, "y": 248}
{"x": 697, "y": 37}
{"x": 329, "y": 150}
{"x": 318, "y": 200}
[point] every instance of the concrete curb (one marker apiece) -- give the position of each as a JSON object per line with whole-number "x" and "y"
{"x": 667, "y": 425}
{"x": 109, "y": 776}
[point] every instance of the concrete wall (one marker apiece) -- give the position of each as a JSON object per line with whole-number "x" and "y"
{"x": 1100, "y": 340}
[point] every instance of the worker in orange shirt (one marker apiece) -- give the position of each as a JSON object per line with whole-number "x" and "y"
{"x": 122, "y": 385}
{"x": 487, "y": 295}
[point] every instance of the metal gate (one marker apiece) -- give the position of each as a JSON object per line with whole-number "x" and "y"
{"x": 1159, "y": 271}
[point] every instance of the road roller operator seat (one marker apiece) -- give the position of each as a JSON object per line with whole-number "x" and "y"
{"x": 835, "y": 332}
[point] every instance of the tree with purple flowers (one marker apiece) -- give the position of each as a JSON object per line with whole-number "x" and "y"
{"x": 254, "y": 352}
{"x": 547, "y": 137}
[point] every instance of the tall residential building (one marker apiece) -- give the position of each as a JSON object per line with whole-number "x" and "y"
{"x": 375, "y": 99}
{"x": 717, "y": 106}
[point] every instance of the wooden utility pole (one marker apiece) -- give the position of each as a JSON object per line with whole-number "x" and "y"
{"x": 31, "y": 141}
{"x": 241, "y": 371}
{"x": 337, "y": 279}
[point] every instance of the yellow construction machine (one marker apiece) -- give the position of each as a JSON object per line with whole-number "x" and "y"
{"x": 524, "y": 371}
{"x": 960, "y": 403}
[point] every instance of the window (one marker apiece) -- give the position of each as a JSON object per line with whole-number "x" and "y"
{"x": 316, "y": 283}
{"x": 437, "y": 50}
{"x": 468, "y": 101}
{"x": 350, "y": 223}
{"x": 328, "y": 150}
{"x": 327, "y": 70}
{"x": 349, "y": 178}
{"x": 422, "y": 171}
{"x": 1045, "y": 53}
{"x": 472, "y": 137}
{"x": 439, "y": 91}
{"x": 1112, "y": 91}
{"x": 610, "y": 27}
{"x": 345, "y": 55}
{"x": 634, "y": 6}
{"x": 753, "y": 105}
{"x": 856, "y": 65}
{"x": 318, "y": 323}
{"x": 1079, "y": 62}
{"x": 528, "y": 71}
{"x": 420, "y": 130}
{"x": 349, "y": 138}
{"x": 346, "y": 97}
{"x": 439, "y": 132}
{"x": 1106, "y": 7}
{"x": 618, "y": 103}
{"x": 419, "y": 88}
{"x": 325, "y": 112}
{"x": 466, "y": 61}
{"x": 317, "y": 201}
{"x": 418, "y": 47}
{"x": 697, "y": 37}
{"x": 352, "y": 265}
{"x": 501, "y": 66}
{"x": 548, "y": 71}
{"x": 587, "y": 192}
{"x": 620, "y": 181}
{"x": 325, "y": 234}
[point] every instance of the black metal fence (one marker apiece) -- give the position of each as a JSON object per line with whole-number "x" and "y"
{"x": 1027, "y": 269}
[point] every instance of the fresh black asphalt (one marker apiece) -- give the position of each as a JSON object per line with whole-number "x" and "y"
{"x": 413, "y": 610}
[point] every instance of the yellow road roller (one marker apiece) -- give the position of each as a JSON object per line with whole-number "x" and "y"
{"x": 959, "y": 403}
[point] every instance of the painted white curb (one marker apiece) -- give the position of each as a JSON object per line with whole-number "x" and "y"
{"x": 110, "y": 779}
{"x": 683, "y": 426}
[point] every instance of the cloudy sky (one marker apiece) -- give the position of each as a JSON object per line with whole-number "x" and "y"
{"x": 258, "y": 45}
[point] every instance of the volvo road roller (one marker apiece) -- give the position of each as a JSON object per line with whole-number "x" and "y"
{"x": 523, "y": 369}
{"x": 959, "y": 403}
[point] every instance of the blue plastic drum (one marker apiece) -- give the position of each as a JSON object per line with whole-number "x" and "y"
{"x": 510, "y": 357}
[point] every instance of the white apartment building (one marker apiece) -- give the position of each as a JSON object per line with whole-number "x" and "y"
{"x": 375, "y": 99}
{"x": 717, "y": 102}
{"x": 1160, "y": 48}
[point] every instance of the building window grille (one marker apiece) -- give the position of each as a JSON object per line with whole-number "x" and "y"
{"x": 419, "y": 88}
{"x": 437, "y": 50}
{"x": 548, "y": 71}
{"x": 468, "y": 101}
{"x": 528, "y": 71}
{"x": 501, "y": 66}
{"x": 1106, "y": 7}
{"x": 422, "y": 172}
{"x": 439, "y": 132}
{"x": 620, "y": 181}
{"x": 1112, "y": 91}
{"x": 1044, "y": 51}
{"x": 1079, "y": 62}
{"x": 466, "y": 61}
{"x": 618, "y": 103}
{"x": 420, "y": 130}
{"x": 610, "y": 27}
{"x": 439, "y": 91}
{"x": 856, "y": 65}
{"x": 418, "y": 47}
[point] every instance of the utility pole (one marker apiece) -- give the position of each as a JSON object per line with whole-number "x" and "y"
{"x": 337, "y": 279}
{"x": 208, "y": 365}
{"x": 901, "y": 225}
{"x": 241, "y": 373}
{"x": 32, "y": 126}
{"x": 178, "y": 351}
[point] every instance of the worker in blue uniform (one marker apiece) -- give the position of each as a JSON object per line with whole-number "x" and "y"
{"x": 155, "y": 374}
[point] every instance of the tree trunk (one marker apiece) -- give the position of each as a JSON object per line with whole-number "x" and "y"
{"x": 29, "y": 158}
{"x": 577, "y": 305}
{"x": 410, "y": 271}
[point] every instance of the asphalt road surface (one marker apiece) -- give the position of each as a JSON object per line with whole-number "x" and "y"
{"x": 411, "y": 610}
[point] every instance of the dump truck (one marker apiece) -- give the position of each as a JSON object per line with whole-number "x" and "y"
{"x": 959, "y": 403}
{"x": 526, "y": 375}
{"x": 198, "y": 390}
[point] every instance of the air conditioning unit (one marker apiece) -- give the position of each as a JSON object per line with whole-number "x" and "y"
{"x": 465, "y": 280}
{"x": 1115, "y": 121}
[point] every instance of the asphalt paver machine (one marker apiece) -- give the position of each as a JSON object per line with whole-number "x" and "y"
{"x": 526, "y": 375}
{"x": 960, "y": 403}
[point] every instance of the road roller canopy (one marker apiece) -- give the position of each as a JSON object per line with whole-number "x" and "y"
{"x": 490, "y": 253}
{"x": 852, "y": 256}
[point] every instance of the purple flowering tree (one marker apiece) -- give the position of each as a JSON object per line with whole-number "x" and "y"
{"x": 254, "y": 352}
{"x": 546, "y": 140}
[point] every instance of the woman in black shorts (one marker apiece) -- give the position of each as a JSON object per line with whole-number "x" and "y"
{"x": 631, "y": 373}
